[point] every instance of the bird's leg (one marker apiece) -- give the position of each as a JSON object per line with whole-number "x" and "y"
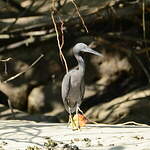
{"x": 78, "y": 124}
{"x": 71, "y": 121}
{"x": 81, "y": 112}
{"x": 70, "y": 117}
{"x": 85, "y": 118}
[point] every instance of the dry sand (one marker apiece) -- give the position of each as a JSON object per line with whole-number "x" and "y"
{"x": 20, "y": 135}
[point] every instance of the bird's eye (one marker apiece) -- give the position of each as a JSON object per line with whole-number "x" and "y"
{"x": 81, "y": 53}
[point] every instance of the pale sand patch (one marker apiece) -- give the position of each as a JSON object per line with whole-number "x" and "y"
{"x": 15, "y": 134}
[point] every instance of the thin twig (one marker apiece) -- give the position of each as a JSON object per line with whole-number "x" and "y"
{"x": 134, "y": 123}
{"x": 143, "y": 19}
{"x": 58, "y": 41}
{"x": 5, "y": 71}
{"x": 19, "y": 74}
{"x": 62, "y": 38}
{"x": 27, "y": 41}
{"x": 5, "y": 63}
{"x": 11, "y": 108}
{"x": 79, "y": 15}
{"x": 62, "y": 32}
{"x": 144, "y": 26}
{"x": 126, "y": 123}
{"x": 17, "y": 44}
{"x": 6, "y": 60}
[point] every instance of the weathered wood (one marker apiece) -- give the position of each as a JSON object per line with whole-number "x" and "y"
{"x": 34, "y": 22}
{"x": 133, "y": 106}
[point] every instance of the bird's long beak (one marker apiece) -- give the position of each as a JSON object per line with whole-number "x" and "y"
{"x": 89, "y": 50}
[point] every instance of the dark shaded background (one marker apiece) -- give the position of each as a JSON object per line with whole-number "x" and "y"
{"x": 117, "y": 86}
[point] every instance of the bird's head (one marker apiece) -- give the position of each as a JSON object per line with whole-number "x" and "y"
{"x": 81, "y": 47}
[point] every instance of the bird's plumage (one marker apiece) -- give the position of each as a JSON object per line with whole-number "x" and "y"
{"x": 73, "y": 82}
{"x": 72, "y": 90}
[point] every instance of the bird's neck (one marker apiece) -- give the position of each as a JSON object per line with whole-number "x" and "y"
{"x": 81, "y": 63}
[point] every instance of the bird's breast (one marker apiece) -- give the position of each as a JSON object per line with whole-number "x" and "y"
{"x": 75, "y": 88}
{"x": 76, "y": 82}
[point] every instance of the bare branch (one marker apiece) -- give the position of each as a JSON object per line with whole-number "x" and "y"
{"x": 5, "y": 63}
{"x": 80, "y": 15}
{"x": 20, "y": 15}
{"x": 58, "y": 41}
{"x": 11, "y": 108}
{"x": 5, "y": 60}
{"x": 14, "y": 4}
{"x": 19, "y": 74}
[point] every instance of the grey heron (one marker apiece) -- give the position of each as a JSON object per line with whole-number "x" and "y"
{"x": 73, "y": 87}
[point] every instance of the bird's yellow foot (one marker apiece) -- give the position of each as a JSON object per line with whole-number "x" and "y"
{"x": 72, "y": 123}
{"x": 77, "y": 122}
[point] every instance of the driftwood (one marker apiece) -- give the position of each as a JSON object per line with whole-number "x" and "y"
{"x": 35, "y": 22}
{"x": 131, "y": 106}
{"x": 23, "y": 27}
